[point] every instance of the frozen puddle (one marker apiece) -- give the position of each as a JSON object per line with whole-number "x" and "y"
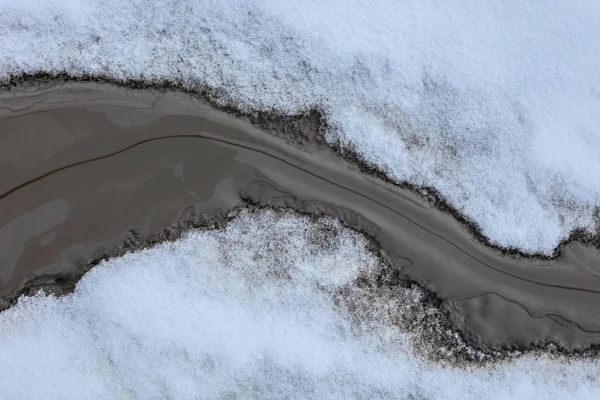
{"x": 266, "y": 308}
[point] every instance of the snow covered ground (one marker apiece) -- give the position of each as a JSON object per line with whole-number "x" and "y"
{"x": 493, "y": 103}
{"x": 246, "y": 312}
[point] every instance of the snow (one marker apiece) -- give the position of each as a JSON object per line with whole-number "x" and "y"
{"x": 492, "y": 103}
{"x": 246, "y": 312}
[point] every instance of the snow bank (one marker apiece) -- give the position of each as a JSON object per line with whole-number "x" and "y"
{"x": 251, "y": 311}
{"x": 495, "y": 104}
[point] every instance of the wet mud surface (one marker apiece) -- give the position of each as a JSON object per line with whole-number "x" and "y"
{"x": 90, "y": 170}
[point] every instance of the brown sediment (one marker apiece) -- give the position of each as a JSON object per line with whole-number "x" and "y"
{"x": 308, "y": 126}
{"x": 88, "y": 170}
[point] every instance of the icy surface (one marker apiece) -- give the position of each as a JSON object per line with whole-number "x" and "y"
{"x": 493, "y": 103}
{"x": 249, "y": 311}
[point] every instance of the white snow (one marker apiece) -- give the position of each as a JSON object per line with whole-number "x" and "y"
{"x": 246, "y": 312}
{"x": 493, "y": 103}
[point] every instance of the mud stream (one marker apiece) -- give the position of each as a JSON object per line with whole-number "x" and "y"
{"x": 84, "y": 167}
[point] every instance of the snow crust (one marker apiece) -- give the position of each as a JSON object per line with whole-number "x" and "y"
{"x": 251, "y": 311}
{"x": 494, "y": 104}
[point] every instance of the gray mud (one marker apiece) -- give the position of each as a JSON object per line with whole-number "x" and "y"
{"x": 89, "y": 170}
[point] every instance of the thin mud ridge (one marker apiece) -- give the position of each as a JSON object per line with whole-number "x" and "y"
{"x": 307, "y": 127}
{"x": 300, "y": 129}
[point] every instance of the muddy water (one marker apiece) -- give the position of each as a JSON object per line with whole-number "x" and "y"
{"x": 84, "y": 166}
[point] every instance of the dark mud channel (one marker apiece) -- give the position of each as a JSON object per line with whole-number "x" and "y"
{"x": 91, "y": 170}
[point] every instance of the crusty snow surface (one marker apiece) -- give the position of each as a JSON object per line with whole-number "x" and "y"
{"x": 493, "y": 103}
